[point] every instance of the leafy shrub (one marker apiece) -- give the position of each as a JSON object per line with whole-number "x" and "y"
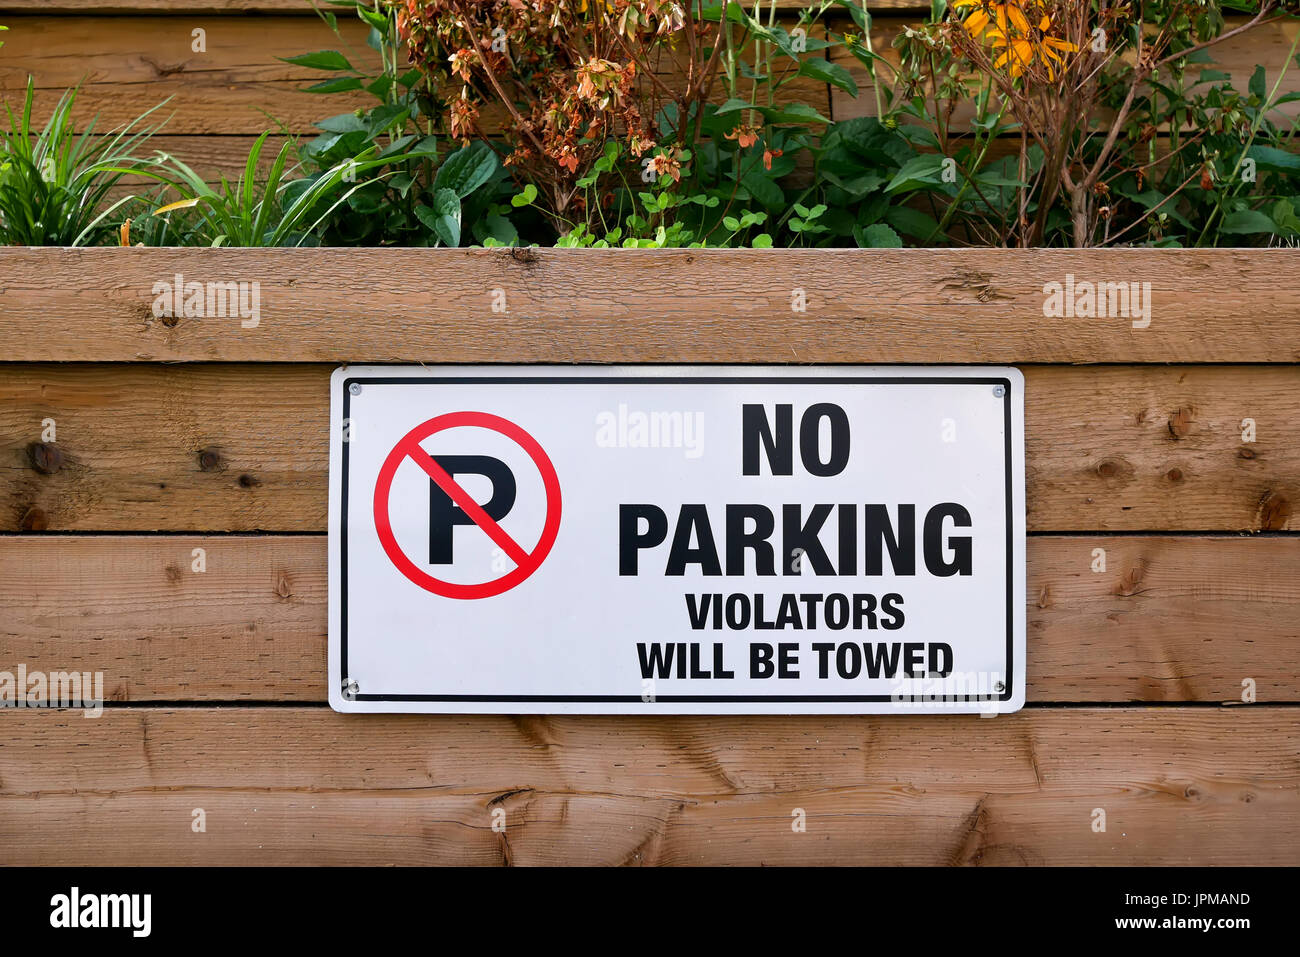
{"x": 571, "y": 77}
{"x": 653, "y": 123}
{"x": 1087, "y": 90}
{"x": 410, "y": 200}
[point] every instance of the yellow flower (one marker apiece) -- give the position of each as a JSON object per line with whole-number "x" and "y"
{"x": 983, "y": 12}
{"x": 1023, "y": 43}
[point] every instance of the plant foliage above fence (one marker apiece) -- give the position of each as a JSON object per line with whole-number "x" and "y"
{"x": 700, "y": 123}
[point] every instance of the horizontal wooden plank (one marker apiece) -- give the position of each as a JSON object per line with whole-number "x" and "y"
{"x": 127, "y": 65}
{"x": 244, "y": 448}
{"x": 307, "y": 786}
{"x": 1169, "y": 619}
{"x": 236, "y": 85}
{"x": 251, "y": 626}
{"x": 671, "y": 305}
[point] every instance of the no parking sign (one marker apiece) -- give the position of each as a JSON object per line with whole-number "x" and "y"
{"x": 676, "y": 540}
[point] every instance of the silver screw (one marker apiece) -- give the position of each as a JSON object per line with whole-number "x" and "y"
{"x": 351, "y": 689}
{"x": 999, "y": 391}
{"x": 355, "y": 388}
{"x": 999, "y": 687}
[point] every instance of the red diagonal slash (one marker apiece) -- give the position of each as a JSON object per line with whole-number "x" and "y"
{"x": 466, "y": 503}
{"x": 409, "y": 447}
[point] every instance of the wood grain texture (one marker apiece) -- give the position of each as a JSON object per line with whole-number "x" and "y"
{"x": 672, "y": 305}
{"x": 237, "y": 85}
{"x": 218, "y": 447}
{"x": 251, "y": 626}
{"x": 308, "y": 786}
{"x": 127, "y": 65}
{"x": 1171, "y": 619}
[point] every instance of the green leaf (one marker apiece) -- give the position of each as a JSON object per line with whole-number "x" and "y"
{"x": 793, "y": 113}
{"x": 386, "y": 118}
{"x": 343, "y": 123}
{"x": 1274, "y": 160}
{"x": 867, "y": 138}
{"x": 1248, "y": 221}
{"x": 877, "y": 236}
{"x": 376, "y": 20}
{"x": 763, "y": 189}
{"x": 916, "y": 173}
{"x": 498, "y": 229}
{"x": 466, "y": 170}
{"x": 380, "y": 87}
{"x": 762, "y": 241}
{"x": 1285, "y": 216}
{"x": 911, "y": 222}
{"x": 1257, "y": 82}
{"x": 524, "y": 198}
{"x": 827, "y": 72}
{"x": 320, "y": 60}
{"x": 990, "y": 178}
{"x": 734, "y": 104}
{"x": 341, "y": 84}
{"x": 443, "y": 217}
{"x": 1212, "y": 76}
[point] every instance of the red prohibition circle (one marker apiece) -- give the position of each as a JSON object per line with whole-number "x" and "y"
{"x": 525, "y": 562}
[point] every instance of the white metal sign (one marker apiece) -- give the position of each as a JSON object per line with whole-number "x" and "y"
{"x": 677, "y": 539}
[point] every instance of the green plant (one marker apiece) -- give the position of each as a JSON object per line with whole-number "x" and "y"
{"x": 458, "y": 177}
{"x": 1226, "y": 174}
{"x": 1115, "y": 143}
{"x": 571, "y": 77}
{"x": 752, "y": 151}
{"x": 578, "y": 80}
{"x": 56, "y": 183}
{"x": 410, "y": 200}
{"x": 276, "y": 211}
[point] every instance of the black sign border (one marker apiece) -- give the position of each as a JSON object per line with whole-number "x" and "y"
{"x": 678, "y": 380}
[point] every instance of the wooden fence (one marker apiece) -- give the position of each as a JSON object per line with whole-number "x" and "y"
{"x": 174, "y": 434}
{"x": 177, "y": 434}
